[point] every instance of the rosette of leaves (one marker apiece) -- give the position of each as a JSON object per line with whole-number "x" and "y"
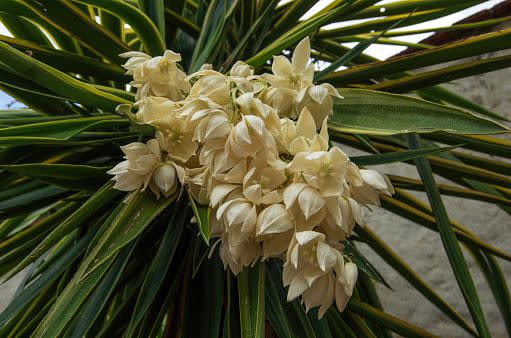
{"x": 97, "y": 264}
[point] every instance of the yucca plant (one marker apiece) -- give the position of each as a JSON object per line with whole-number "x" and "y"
{"x": 100, "y": 262}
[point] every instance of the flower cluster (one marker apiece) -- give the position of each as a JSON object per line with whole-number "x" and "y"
{"x": 248, "y": 146}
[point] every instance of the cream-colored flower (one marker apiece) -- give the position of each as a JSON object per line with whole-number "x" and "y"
{"x": 176, "y": 138}
{"x": 318, "y": 100}
{"x": 158, "y": 76}
{"x": 316, "y": 271}
{"x": 274, "y": 219}
{"x": 145, "y": 167}
{"x": 301, "y": 136}
{"x": 262, "y": 183}
{"x": 249, "y": 105}
{"x": 250, "y": 138}
{"x": 236, "y": 257}
{"x": 296, "y": 74}
{"x": 345, "y": 283}
{"x": 305, "y": 204}
{"x": 207, "y": 118}
{"x": 322, "y": 170}
{"x": 239, "y": 217}
{"x": 155, "y": 108}
{"x": 373, "y": 184}
{"x": 242, "y": 74}
{"x": 309, "y": 270}
{"x": 280, "y": 99}
{"x": 241, "y": 70}
{"x": 212, "y": 85}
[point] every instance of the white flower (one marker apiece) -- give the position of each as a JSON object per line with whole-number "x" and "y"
{"x": 318, "y": 100}
{"x": 144, "y": 167}
{"x": 236, "y": 257}
{"x": 305, "y": 204}
{"x": 373, "y": 183}
{"x": 249, "y": 105}
{"x": 206, "y": 118}
{"x": 263, "y": 181}
{"x": 250, "y": 138}
{"x": 248, "y": 146}
{"x": 154, "y": 108}
{"x": 280, "y": 99}
{"x": 274, "y": 219}
{"x": 158, "y": 76}
{"x": 345, "y": 283}
{"x": 242, "y": 74}
{"x": 239, "y": 217}
{"x": 302, "y": 136}
{"x": 212, "y": 85}
{"x": 316, "y": 271}
{"x": 296, "y": 74}
{"x": 241, "y": 70}
{"x": 175, "y": 138}
{"x": 322, "y": 170}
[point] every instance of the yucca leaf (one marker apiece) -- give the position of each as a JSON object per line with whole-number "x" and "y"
{"x": 155, "y": 11}
{"x": 416, "y": 185}
{"x": 284, "y": 316}
{"x": 397, "y": 156}
{"x": 367, "y": 293}
{"x": 481, "y": 162}
{"x": 36, "y": 102}
{"x": 367, "y": 112}
{"x": 359, "y": 325}
{"x": 99, "y": 298}
{"x": 211, "y": 31}
{"x": 454, "y": 51}
{"x": 46, "y": 277}
{"x": 135, "y": 216}
{"x": 381, "y": 24}
{"x": 338, "y": 325}
{"x": 292, "y": 36}
{"x": 57, "y": 81}
{"x": 406, "y": 6}
{"x": 112, "y": 23}
{"x": 447, "y": 74}
{"x": 363, "y": 264}
{"x": 204, "y": 304}
{"x": 487, "y": 144}
{"x": 68, "y": 62}
{"x": 91, "y": 206}
{"x": 291, "y": 16}
{"x": 455, "y": 27}
{"x": 75, "y": 296}
{"x": 40, "y": 227}
{"x": 401, "y": 327}
{"x": 31, "y": 200}
{"x": 450, "y": 243}
{"x": 22, "y": 28}
{"x": 497, "y": 282}
{"x": 7, "y": 226}
{"x": 202, "y": 216}
{"x": 395, "y": 205}
{"x": 69, "y": 19}
{"x": 448, "y": 97}
{"x": 353, "y": 53}
{"x": 71, "y": 176}
{"x": 159, "y": 266}
{"x": 183, "y": 23}
{"x": 251, "y": 301}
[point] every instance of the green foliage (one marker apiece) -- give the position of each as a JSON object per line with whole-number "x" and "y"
{"x": 102, "y": 263}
